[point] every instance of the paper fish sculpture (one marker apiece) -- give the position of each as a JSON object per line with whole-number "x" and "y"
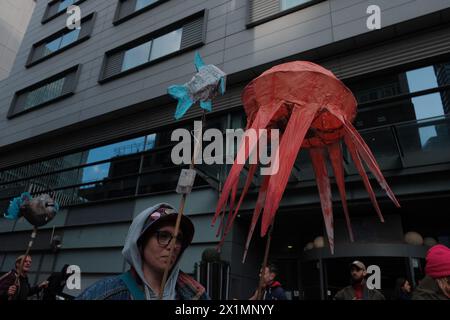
{"x": 204, "y": 86}
{"x": 38, "y": 210}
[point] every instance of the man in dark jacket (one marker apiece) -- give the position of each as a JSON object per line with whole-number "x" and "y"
{"x": 9, "y": 290}
{"x": 56, "y": 284}
{"x": 436, "y": 284}
{"x": 358, "y": 290}
{"x": 272, "y": 288}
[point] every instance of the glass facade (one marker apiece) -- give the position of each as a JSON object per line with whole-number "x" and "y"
{"x": 413, "y": 95}
{"x": 61, "y": 42}
{"x": 143, "y": 3}
{"x": 166, "y": 44}
{"x": 126, "y": 168}
{"x": 65, "y": 4}
{"x": 288, "y": 4}
{"x": 152, "y": 50}
{"x": 136, "y": 56}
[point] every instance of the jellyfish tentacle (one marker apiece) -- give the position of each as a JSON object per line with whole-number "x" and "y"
{"x": 359, "y": 166}
{"x": 261, "y": 121}
{"x": 369, "y": 159}
{"x": 323, "y": 184}
{"x": 232, "y": 196}
{"x": 335, "y": 154}
{"x": 232, "y": 201}
{"x": 256, "y": 213}
{"x": 221, "y": 224}
{"x": 248, "y": 182}
{"x": 364, "y": 150}
{"x": 291, "y": 142}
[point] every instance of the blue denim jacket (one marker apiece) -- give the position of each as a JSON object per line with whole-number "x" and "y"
{"x": 114, "y": 288}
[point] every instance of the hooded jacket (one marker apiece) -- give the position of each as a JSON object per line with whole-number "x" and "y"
{"x": 428, "y": 290}
{"x": 179, "y": 286}
{"x": 274, "y": 291}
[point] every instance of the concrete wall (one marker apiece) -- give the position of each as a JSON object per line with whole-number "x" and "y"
{"x": 14, "y": 18}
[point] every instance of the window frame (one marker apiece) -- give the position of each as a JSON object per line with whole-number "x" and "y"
{"x": 12, "y": 113}
{"x": 117, "y": 20}
{"x": 46, "y": 18}
{"x": 250, "y": 24}
{"x": 151, "y": 36}
{"x": 59, "y": 34}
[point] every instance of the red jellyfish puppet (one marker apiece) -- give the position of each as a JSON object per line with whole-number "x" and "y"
{"x": 314, "y": 110}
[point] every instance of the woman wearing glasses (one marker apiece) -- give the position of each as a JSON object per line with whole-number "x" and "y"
{"x": 147, "y": 251}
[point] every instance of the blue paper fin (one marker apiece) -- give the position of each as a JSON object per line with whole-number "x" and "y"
{"x": 198, "y": 61}
{"x": 222, "y": 86}
{"x": 207, "y": 105}
{"x": 181, "y": 93}
{"x": 13, "y": 211}
{"x": 26, "y": 196}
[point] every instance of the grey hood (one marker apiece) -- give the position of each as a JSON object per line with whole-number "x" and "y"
{"x": 133, "y": 256}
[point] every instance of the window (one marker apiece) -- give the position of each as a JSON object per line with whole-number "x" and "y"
{"x": 127, "y": 9}
{"x": 60, "y": 41}
{"x": 64, "y": 4}
{"x": 52, "y": 46}
{"x": 166, "y": 44}
{"x": 45, "y": 92}
{"x": 413, "y": 95}
{"x": 69, "y": 38}
{"x": 401, "y": 83}
{"x": 288, "y": 4}
{"x": 261, "y": 11}
{"x": 152, "y": 50}
{"x": 56, "y": 8}
{"x": 143, "y": 3}
{"x": 136, "y": 56}
{"x": 174, "y": 39}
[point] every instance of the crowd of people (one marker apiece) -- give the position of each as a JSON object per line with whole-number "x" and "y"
{"x": 148, "y": 249}
{"x": 434, "y": 286}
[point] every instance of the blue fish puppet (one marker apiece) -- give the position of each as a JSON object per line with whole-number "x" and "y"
{"x": 203, "y": 87}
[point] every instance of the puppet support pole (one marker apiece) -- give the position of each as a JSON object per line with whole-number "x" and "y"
{"x": 180, "y": 213}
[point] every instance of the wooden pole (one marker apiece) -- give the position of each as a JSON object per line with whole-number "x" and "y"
{"x": 178, "y": 222}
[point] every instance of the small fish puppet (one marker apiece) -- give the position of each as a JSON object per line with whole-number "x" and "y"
{"x": 203, "y": 87}
{"x": 38, "y": 211}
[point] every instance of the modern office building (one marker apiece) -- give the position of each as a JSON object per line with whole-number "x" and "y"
{"x": 14, "y": 18}
{"x": 85, "y": 113}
